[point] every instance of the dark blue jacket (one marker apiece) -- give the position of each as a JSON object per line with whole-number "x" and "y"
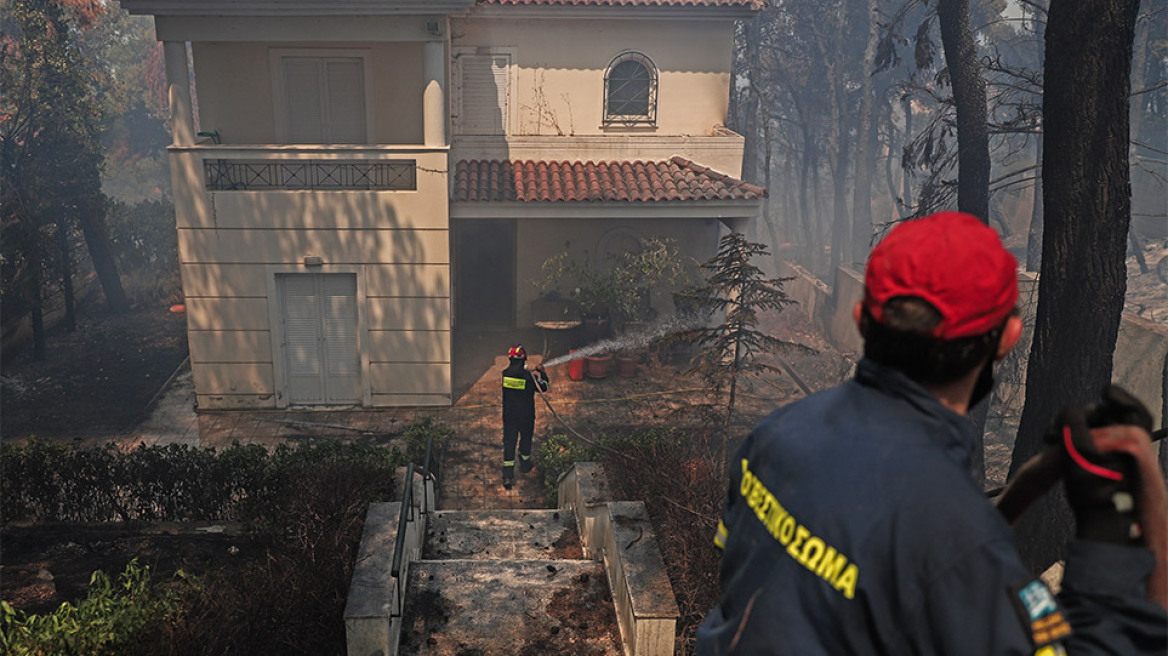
{"x": 853, "y": 526}
{"x": 519, "y": 388}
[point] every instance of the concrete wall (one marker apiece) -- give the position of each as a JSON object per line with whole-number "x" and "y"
{"x": 234, "y": 83}
{"x": 233, "y": 243}
{"x": 561, "y": 64}
{"x": 372, "y": 611}
{"x": 620, "y": 534}
{"x": 1141, "y": 348}
{"x": 1140, "y": 354}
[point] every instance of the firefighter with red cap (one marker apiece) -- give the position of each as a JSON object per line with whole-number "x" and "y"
{"x": 853, "y": 524}
{"x": 519, "y": 389}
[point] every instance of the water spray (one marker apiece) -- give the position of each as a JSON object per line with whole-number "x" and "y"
{"x": 639, "y": 339}
{"x": 634, "y": 340}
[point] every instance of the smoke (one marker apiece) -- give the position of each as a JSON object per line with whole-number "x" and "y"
{"x": 635, "y": 340}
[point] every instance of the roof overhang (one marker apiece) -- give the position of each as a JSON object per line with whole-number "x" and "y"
{"x": 289, "y": 8}
{"x": 723, "y": 210}
{"x": 592, "y": 12}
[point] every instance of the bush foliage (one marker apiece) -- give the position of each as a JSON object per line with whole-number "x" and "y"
{"x": 49, "y": 482}
{"x": 304, "y": 509}
{"x": 110, "y": 620}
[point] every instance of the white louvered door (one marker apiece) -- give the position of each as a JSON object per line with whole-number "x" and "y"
{"x": 484, "y": 94}
{"x": 322, "y": 361}
{"x": 324, "y": 99}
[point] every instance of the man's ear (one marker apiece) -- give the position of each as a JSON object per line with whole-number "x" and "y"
{"x": 856, "y": 312}
{"x": 1011, "y": 333}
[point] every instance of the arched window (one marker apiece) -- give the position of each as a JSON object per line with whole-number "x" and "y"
{"x": 630, "y": 90}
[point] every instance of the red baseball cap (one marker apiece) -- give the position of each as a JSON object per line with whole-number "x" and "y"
{"x": 952, "y": 260}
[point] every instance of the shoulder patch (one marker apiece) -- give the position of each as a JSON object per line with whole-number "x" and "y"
{"x": 1040, "y": 612}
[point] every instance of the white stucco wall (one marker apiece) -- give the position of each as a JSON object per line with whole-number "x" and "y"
{"x": 233, "y": 243}
{"x": 561, "y": 64}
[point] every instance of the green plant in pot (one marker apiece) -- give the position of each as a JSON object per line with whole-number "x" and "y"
{"x": 617, "y": 290}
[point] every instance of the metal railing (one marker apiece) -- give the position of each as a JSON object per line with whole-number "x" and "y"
{"x": 310, "y": 174}
{"x": 405, "y": 517}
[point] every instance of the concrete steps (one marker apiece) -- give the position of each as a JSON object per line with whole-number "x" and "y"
{"x": 585, "y": 579}
{"x": 502, "y": 535}
{"x": 507, "y": 608}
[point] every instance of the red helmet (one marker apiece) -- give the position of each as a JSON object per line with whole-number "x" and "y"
{"x": 517, "y": 353}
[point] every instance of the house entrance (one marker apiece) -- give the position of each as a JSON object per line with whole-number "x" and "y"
{"x": 484, "y": 274}
{"x": 322, "y": 359}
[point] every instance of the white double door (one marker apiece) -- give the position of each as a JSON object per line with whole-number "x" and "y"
{"x": 322, "y": 358}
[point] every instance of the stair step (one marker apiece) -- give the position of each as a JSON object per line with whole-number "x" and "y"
{"x": 501, "y": 534}
{"x": 508, "y": 608}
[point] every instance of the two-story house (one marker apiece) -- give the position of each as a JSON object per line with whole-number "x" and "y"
{"x": 367, "y": 175}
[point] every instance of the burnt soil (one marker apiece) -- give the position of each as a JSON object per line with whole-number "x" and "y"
{"x": 96, "y": 381}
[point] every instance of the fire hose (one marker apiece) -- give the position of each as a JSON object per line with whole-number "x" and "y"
{"x": 587, "y": 441}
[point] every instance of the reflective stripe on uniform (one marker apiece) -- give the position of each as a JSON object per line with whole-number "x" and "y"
{"x": 508, "y": 463}
{"x": 514, "y": 383}
{"x": 720, "y": 538}
{"x": 523, "y": 457}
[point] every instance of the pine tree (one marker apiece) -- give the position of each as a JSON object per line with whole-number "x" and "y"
{"x": 738, "y": 291}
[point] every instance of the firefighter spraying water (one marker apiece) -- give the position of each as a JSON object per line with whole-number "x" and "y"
{"x": 520, "y": 384}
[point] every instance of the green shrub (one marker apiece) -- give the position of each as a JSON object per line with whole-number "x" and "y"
{"x": 556, "y": 454}
{"x": 418, "y": 432}
{"x": 304, "y": 506}
{"x": 291, "y": 599}
{"x": 110, "y": 620}
{"x": 52, "y": 482}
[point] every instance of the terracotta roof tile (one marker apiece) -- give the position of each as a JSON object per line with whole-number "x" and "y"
{"x": 677, "y": 179}
{"x": 747, "y": 4}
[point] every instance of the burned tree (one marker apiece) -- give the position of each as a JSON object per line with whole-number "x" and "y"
{"x": 1087, "y": 209}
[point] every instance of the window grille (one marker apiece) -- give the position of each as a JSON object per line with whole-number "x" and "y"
{"x": 319, "y": 175}
{"x": 630, "y": 90}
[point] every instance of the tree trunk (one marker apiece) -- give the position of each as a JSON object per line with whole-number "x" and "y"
{"x": 66, "y": 255}
{"x": 865, "y": 146}
{"x": 805, "y": 177}
{"x": 752, "y": 104}
{"x": 969, "y": 96}
{"x": 1034, "y": 237}
{"x": 39, "y": 351}
{"x": 92, "y": 217}
{"x": 906, "y": 203}
{"x": 1086, "y": 196}
{"x": 1163, "y": 455}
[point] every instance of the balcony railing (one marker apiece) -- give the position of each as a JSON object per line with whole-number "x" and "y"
{"x": 307, "y": 174}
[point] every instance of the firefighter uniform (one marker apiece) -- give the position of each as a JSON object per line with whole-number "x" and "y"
{"x": 519, "y": 388}
{"x": 853, "y": 526}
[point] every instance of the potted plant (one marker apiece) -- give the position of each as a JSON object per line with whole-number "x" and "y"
{"x": 616, "y": 293}
{"x": 626, "y": 364}
{"x": 598, "y": 365}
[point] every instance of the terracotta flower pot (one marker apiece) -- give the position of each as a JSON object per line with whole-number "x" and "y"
{"x": 598, "y": 366}
{"x": 626, "y": 366}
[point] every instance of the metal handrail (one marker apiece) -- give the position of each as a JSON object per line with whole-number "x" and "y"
{"x": 426, "y": 474}
{"x": 406, "y": 516}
